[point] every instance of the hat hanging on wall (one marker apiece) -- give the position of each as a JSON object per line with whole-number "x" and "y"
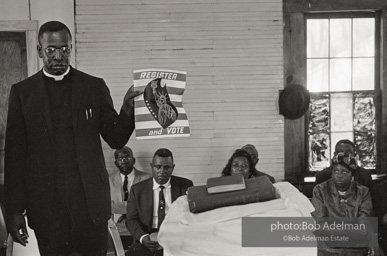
{"x": 294, "y": 101}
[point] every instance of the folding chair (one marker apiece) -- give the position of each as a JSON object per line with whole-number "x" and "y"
{"x": 115, "y": 236}
{"x": 3, "y": 232}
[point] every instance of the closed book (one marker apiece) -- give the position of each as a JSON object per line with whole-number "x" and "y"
{"x": 258, "y": 189}
{"x": 225, "y": 183}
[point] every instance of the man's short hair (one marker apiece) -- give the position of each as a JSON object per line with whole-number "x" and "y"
{"x": 347, "y": 142}
{"x": 52, "y": 26}
{"x": 125, "y": 149}
{"x": 163, "y": 152}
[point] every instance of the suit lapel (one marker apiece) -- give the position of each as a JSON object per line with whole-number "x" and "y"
{"x": 118, "y": 187}
{"x": 44, "y": 103}
{"x": 137, "y": 176}
{"x": 148, "y": 195}
{"x": 76, "y": 93}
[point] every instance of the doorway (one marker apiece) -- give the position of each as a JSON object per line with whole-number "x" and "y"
{"x": 13, "y": 68}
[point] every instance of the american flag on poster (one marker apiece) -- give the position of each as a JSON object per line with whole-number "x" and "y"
{"x": 159, "y": 111}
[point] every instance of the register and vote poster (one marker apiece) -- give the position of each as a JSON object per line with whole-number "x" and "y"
{"x": 159, "y": 111}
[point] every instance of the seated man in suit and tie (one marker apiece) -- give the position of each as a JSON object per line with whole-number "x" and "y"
{"x": 121, "y": 180}
{"x": 149, "y": 202}
{"x": 124, "y": 177}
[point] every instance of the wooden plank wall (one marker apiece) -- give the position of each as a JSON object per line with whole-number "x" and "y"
{"x": 232, "y": 52}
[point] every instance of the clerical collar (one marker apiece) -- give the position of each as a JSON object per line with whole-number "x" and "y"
{"x": 57, "y": 78}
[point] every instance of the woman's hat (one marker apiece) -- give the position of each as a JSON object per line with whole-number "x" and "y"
{"x": 294, "y": 101}
{"x": 345, "y": 159}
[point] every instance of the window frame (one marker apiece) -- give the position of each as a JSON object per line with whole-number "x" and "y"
{"x": 295, "y": 131}
{"x": 346, "y": 15}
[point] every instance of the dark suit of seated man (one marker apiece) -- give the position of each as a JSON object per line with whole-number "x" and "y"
{"x": 149, "y": 202}
{"x": 362, "y": 176}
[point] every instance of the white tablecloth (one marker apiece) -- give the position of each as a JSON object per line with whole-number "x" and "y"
{"x": 219, "y": 233}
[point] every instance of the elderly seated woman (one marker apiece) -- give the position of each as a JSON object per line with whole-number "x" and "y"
{"x": 341, "y": 196}
{"x": 241, "y": 163}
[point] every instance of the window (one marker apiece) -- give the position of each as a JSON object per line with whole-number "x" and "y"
{"x": 341, "y": 78}
{"x": 354, "y": 87}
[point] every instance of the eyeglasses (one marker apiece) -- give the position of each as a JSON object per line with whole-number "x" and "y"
{"x": 51, "y": 51}
{"x": 124, "y": 158}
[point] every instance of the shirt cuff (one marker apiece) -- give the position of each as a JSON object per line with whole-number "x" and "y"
{"x": 143, "y": 237}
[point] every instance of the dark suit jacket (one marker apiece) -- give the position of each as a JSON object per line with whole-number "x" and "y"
{"x": 140, "y": 204}
{"x": 380, "y": 199}
{"x": 380, "y": 206}
{"x": 29, "y": 148}
{"x": 259, "y": 174}
{"x": 116, "y": 184}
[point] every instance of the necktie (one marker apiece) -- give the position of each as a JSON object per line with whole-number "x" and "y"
{"x": 161, "y": 210}
{"x": 125, "y": 187}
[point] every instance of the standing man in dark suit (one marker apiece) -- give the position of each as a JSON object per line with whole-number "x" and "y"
{"x": 149, "y": 202}
{"x": 54, "y": 165}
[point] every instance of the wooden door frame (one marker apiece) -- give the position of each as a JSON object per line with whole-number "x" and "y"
{"x": 30, "y": 27}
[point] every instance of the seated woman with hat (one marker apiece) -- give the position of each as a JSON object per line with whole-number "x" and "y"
{"x": 341, "y": 196}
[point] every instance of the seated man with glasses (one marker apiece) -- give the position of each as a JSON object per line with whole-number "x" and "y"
{"x": 126, "y": 175}
{"x": 149, "y": 202}
{"x": 121, "y": 180}
{"x": 361, "y": 175}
